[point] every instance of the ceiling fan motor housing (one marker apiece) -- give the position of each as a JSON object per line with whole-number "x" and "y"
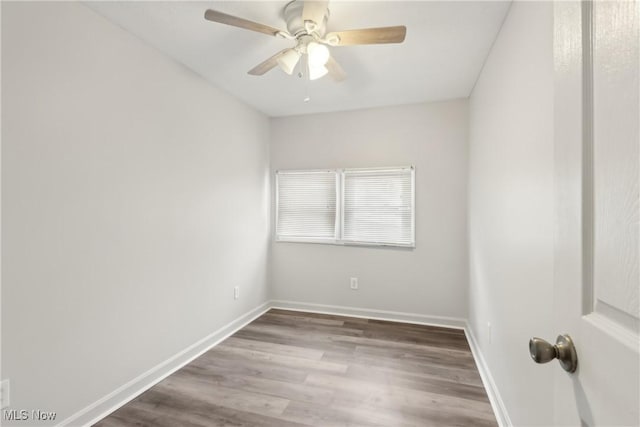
{"x": 295, "y": 23}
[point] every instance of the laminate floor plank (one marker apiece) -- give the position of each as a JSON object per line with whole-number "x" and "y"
{"x": 433, "y": 358}
{"x": 284, "y": 350}
{"x": 279, "y": 360}
{"x": 289, "y": 368}
{"x": 228, "y": 365}
{"x": 294, "y": 313}
{"x": 196, "y": 387}
{"x": 139, "y": 414}
{"x": 416, "y": 368}
{"x": 301, "y": 318}
{"x": 413, "y": 348}
{"x": 202, "y": 412}
{"x": 346, "y": 414}
{"x": 381, "y": 324}
{"x": 324, "y": 343}
{"x": 459, "y": 376}
{"x": 356, "y": 393}
{"x": 302, "y": 329}
{"x": 283, "y": 389}
{"x": 432, "y": 384}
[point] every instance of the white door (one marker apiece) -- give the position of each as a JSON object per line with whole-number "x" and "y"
{"x": 597, "y": 157}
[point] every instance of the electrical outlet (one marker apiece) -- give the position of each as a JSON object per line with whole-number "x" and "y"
{"x": 354, "y": 283}
{"x": 236, "y": 292}
{"x": 489, "y": 331}
{"x": 4, "y": 394}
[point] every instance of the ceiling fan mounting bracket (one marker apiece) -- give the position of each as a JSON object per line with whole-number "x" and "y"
{"x": 303, "y": 42}
{"x": 285, "y": 35}
{"x": 297, "y": 27}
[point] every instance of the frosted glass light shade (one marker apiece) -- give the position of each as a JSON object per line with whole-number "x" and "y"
{"x": 317, "y": 71}
{"x": 318, "y": 54}
{"x": 288, "y": 60}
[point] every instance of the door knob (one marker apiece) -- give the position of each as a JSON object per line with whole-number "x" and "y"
{"x": 542, "y": 352}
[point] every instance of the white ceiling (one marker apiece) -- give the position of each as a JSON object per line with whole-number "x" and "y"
{"x": 445, "y": 48}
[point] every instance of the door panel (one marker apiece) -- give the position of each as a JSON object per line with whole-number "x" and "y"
{"x": 615, "y": 161}
{"x": 597, "y": 142}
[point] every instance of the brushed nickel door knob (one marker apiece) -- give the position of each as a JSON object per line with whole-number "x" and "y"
{"x": 542, "y": 352}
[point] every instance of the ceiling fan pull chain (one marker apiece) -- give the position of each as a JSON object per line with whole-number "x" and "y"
{"x": 307, "y": 82}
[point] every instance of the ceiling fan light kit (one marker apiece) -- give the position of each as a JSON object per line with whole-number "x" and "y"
{"x": 317, "y": 71}
{"x": 288, "y": 60}
{"x": 307, "y": 24}
{"x": 318, "y": 54}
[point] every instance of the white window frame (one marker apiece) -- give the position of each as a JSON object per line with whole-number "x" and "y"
{"x": 339, "y": 219}
{"x": 413, "y": 207}
{"x": 290, "y": 239}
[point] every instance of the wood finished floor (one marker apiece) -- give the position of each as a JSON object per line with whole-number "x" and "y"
{"x": 289, "y": 368}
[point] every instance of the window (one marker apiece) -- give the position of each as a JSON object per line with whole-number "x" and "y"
{"x": 346, "y": 206}
{"x": 378, "y": 206}
{"x": 306, "y": 205}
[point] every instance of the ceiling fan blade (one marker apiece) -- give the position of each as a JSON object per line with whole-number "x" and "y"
{"x": 314, "y": 10}
{"x": 223, "y": 18}
{"x": 267, "y": 65}
{"x": 335, "y": 70}
{"x": 367, "y": 36}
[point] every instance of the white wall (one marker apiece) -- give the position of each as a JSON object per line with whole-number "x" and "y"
{"x": 511, "y": 209}
{"x": 429, "y": 280}
{"x": 135, "y": 196}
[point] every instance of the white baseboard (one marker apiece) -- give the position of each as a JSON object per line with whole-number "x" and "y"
{"x": 395, "y": 316}
{"x": 117, "y": 398}
{"x": 499, "y": 408}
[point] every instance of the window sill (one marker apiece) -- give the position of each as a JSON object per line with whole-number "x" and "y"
{"x": 344, "y": 243}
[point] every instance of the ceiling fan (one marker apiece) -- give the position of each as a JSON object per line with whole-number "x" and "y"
{"x": 306, "y": 24}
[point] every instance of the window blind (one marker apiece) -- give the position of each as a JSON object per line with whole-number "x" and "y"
{"x": 378, "y": 206}
{"x": 306, "y": 205}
